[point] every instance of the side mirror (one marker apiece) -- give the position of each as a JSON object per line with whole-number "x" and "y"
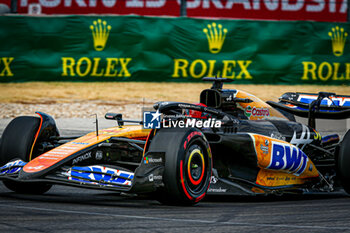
{"x": 115, "y": 116}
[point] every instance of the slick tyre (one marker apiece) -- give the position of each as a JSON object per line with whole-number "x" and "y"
{"x": 343, "y": 163}
{"x": 188, "y": 165}
{"x": 27, "y": 188}
{"x": 16, "y": 143}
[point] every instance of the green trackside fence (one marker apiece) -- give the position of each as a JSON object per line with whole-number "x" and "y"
{"x": 133, "y": 48}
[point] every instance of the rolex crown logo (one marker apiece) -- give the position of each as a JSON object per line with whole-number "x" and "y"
{"x": 100, "y": 32}
{"x": 338, "y": 36}
{"x": 216, "y": 36}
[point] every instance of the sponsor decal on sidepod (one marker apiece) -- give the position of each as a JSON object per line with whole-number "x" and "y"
{"x": 287, "y": 157}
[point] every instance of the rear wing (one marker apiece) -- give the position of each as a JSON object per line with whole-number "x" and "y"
{"x": 323, "y": 105}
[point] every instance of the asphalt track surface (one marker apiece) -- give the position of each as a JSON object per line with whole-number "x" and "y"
{"x": 67, "y": 209}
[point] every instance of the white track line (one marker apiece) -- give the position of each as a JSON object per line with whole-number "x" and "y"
{"x": 180, "y": 220}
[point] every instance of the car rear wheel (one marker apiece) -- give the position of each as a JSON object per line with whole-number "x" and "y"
{"x": 343, "y": 163}
{"x": 188, "y": 165}
{"x": 17, "y": 143}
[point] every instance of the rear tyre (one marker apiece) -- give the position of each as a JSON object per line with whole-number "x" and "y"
{"x": 188, "y": 165}
{"x": 16, "y": 143}
{"x": 343, "y": 162}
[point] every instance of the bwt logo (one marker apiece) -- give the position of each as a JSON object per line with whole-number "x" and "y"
{"x": 288, "y": 157}
{"x": 151, "y": 120}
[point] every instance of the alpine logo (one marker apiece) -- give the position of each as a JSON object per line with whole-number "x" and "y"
{"x": 304, "y": 138}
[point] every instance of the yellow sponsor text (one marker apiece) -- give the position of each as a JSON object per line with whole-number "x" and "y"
{"x": 325, "y": 71}
{"x": 95, "y": 67}
{"x": 5, "y": 66}
{"x": 233, "y": 69}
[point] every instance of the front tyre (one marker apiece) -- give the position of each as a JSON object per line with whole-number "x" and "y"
{"x": 27, "y": 188}
{"x": 188, "y": 165}
{"x": 17, "y": 142}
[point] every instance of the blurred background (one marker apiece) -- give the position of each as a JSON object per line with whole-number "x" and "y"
{"x": 74, "y": 58}
{"x": 251, "y": 41}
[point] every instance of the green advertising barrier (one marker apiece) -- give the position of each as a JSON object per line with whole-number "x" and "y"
{"x": 133, "y": 48}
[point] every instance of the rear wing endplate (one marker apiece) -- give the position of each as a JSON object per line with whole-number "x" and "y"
{"x": 323, "y": 105}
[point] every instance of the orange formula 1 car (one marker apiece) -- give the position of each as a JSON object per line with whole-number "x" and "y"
{"x": 230, "y": 143}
